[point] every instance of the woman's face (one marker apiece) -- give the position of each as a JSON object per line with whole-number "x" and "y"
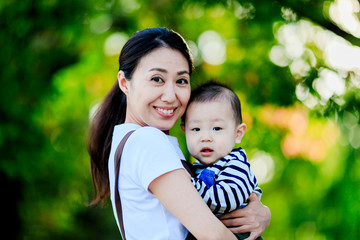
{"x": 159, "y": 89}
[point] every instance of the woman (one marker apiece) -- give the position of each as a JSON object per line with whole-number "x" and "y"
{"x": 158, "y": 199}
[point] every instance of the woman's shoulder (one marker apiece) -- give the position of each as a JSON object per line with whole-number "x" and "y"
{"x": 150, "y": 141}
{"x": 146, "y": 137}
{"x": 149, "y": 133}
{"x": 124, "y": 128}
{"x": 151, "y": 130}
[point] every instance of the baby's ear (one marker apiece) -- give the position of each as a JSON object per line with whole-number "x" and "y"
{"x": 182, "y": 125}
{"x": 240, "y": 131}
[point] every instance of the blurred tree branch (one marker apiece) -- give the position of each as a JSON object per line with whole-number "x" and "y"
{"x": 311, "y": 12}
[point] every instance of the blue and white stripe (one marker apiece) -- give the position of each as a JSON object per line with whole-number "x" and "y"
{"x": 233, "y": 183}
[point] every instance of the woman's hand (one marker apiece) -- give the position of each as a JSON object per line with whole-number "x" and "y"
{"x": 253, "y": 218}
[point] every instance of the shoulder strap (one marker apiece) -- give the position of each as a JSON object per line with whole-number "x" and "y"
{"x": 117, "y": 195}
{"x": 188, "y": 167}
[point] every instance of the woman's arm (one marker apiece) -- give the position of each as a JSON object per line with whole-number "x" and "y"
{"x": 254, "y": 218}
{"x": 176, "y": 192}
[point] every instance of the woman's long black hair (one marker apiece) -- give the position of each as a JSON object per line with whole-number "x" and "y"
{"x": 113, "y": 109}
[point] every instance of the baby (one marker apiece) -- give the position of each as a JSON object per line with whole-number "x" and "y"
{"x": 213, "y": 125}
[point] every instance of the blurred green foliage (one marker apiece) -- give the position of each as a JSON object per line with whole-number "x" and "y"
{"x": 59, "y": 58}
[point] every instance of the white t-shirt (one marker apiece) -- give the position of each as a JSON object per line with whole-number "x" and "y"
{"x": 148, "y": 154}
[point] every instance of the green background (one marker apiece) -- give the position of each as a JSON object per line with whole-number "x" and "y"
{"x": 58, "y": 59}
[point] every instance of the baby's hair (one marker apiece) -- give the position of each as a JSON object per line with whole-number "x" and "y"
{"x": 212, "y": 91}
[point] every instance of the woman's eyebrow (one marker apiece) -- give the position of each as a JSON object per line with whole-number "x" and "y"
{"x": 165, "y": 71}
{"x": 158, "y": 69}
{"x": 183, "y": 72}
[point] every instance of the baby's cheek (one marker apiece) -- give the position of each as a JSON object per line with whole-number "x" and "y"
{"x": 223, "y": 150}
{"x": 191, "y": 147}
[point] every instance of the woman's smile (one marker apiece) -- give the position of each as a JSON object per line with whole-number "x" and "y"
{"x": 166, "y": 111}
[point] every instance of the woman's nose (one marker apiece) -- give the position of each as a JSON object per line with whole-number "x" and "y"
{"x": 168, "y": 94}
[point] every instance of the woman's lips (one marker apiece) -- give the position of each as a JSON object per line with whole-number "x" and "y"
{"x": 165, "y": 111}
{"x": 206, "y": 152}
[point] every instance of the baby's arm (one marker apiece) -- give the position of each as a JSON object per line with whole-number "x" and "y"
{"x": 177, "y": 194}
{"x": 230, "y": 190}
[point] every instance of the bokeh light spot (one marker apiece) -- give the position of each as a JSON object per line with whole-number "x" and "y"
{"x": 100, "y": 23}
{"x": 212, "y": 47}
{"x": 262, "y": 164}
{"x": 114, "y": 43}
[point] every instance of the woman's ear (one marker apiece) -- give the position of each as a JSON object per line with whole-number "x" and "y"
{"x": 240, "y": 131}
{"x": 123, "y": 83}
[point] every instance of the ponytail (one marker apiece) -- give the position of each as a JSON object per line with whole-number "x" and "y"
{"x": 111, "y": 112}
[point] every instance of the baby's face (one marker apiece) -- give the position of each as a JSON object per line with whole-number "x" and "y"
{"x": 211, "y": 131}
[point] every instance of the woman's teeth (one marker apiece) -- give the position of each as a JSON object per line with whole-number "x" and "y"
{"x": 169, "y": 111}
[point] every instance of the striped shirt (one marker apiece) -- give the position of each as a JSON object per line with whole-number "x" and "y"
{"x": 226, "y": 184}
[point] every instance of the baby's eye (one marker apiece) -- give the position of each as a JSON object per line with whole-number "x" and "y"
{"x": 217, "y": 128}
{"x": 195, "y": 129}
{"x": 157, "y": 79}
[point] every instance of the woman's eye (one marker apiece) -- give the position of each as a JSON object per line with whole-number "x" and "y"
{"x": 195, "y": 129}
{"x": 217, "y": 128}
{"x": 182, "y": 81}
{"x": 157, "y": 79}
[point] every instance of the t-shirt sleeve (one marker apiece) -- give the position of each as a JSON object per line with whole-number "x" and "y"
{"x": 152, "y": 155}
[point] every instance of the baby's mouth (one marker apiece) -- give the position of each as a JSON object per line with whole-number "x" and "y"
{"x": 206, "y": 152}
